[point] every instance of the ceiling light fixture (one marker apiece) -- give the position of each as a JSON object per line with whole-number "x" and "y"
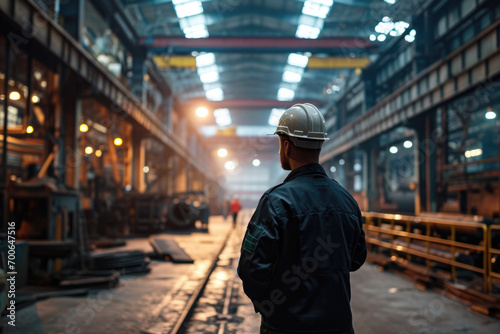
{"x": 118, "y": 141}
{"x": 14, "y": 96}
{"x": 84, "y": 127}
{"x": 202, "y": 112}
{"x": 222, "y": 152}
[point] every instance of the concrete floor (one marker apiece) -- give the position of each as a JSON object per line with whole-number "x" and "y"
{"x": 382, "y": 302}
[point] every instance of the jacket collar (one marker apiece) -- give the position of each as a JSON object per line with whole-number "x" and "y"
{"x": 306, "y": 169}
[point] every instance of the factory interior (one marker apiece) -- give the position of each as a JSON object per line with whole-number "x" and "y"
{"x": 129, "y": 127}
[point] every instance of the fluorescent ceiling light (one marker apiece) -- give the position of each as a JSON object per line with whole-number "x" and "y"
{"x": 192, "y": 21}
{"x": 205, "y": 59}
{"x": 209, "y": 77}
{"x": 198, "y": 31}
{"x": 317, "y": 8}
{"x": 291, "y": 77}
{"x": 490, "y": 114}
{"x": 207, "y": 69}
{"x": 188, "y": 9}
{"x": 222, "y": 112}
{"x": 223, "y": 121}
{"x": 323, "y": 2}
{"x": 222, "y": 117}
{"x": 274, "y": 116}
{"x": 298, "y": 60}
{"x": 409, "y": 38}
{"x": 304, "y": 31}
{"x": 215, "y": 94}
{"x": 285, "y": 94}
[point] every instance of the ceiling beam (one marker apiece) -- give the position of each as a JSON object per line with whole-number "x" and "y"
{"x": 252, "y": 103}
{"x": 254, "y": 44}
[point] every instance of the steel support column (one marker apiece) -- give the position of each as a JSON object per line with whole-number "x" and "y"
{"x": 138, "y": 159}
{"x": 137, "y": 82}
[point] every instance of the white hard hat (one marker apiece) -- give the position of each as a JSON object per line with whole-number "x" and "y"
{"x": 304, "y": 124}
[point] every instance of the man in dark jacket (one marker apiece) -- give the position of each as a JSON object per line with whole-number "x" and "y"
{"x": 304, "y": 238}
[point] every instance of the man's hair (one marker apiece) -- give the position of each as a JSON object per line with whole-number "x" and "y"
{"x": 303, "y": 154}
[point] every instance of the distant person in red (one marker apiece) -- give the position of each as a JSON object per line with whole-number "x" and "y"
{"x": 235, "y": 207}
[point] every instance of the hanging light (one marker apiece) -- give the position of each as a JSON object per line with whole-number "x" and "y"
{"x": 118, "y": 141}
{"x": 14, "y": 96}
{"x": 84, "y": 127}
{"x": 35, "y": 99}
{"x": 222, "y": 152}
{"x": 229, "y": 165}
{"x": 490, "y": 114}
{"x": 98, "y": 153}
{"x": 89, "y": 150}
{"x": 145, "y": 169}
{"x": 202, "y": 112}
{"x": 256, "y": 162}
{"x": 29, "y": 129}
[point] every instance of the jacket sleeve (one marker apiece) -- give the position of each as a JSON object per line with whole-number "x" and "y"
{"x": 359, "y": 254}
{"x": 259, "y": 251}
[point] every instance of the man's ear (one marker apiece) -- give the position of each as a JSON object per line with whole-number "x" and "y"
{"x": 288, "y": 147}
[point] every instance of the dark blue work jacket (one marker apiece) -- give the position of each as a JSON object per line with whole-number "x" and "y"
{"x": 304, "y": 238}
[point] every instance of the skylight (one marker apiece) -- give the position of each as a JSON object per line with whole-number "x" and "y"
{"x": 298, "y": 60}
{"x": 209, "y": 77}
{"x": 317, "y": 8}
{"x": 222, "y": 117}
{"x": 198, "y": 31}
{"x": 285, "y": 94}
{"x": 275, "y": 115}
{"x": 309, "y": 26}
{"x": 188, "y": 9}
{"x": 214, "y": 94}
{"x": 205, "y": 59}
{"x": 292, "y": 77}
{"x": 207, "y": 69}
{"x": 305, "y": 31}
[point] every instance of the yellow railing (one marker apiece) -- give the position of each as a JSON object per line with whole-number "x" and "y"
{"x": 417, "y": 236}
{"x": 491, "y": 252}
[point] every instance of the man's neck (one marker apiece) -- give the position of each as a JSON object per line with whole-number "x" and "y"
{"x": 297, "y": 164}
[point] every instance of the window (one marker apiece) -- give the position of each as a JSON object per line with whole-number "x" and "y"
{"x": 17, "y": 94}
{"x": 468, "y": 6}
{"x": 441, "y": 26}
{"x": 468, "y": 33}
